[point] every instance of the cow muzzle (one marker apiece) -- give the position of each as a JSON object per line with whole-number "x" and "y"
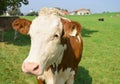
{"x": 31, "y": 68}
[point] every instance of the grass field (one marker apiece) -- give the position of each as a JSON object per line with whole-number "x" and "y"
{"x": 101, "y": 56}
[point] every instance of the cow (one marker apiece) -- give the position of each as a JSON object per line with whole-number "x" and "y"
{"x": 56, "y": 49}
{"x": 101, "y": 19}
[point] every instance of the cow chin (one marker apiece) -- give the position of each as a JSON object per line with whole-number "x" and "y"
{"x": 39, "y": 69}
{"x": 54, "y": 62}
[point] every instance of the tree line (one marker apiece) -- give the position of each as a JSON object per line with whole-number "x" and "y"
{"x": 11, "y": 4}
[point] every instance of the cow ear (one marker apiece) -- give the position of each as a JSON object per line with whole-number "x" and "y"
{"x": 71, "y": 28}
{"x": 21, "y": 25}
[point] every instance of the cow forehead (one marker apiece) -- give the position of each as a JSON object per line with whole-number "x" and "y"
{"x": 46, "y": 24}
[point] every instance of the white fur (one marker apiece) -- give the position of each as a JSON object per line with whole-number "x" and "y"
{"x": 73, "y": 33}
{"x": 61, "y": 77}
{"x": 46, "y": 11}
{"x": 45, "y": 47}
{"x": 79, "y": 39}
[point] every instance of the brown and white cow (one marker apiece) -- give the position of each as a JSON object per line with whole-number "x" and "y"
{"x": 56, "y": 49}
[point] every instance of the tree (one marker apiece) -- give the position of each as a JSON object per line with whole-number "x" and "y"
{"x": 32, "y": 14}
{"x": 14, "y": 12}
{"x": 13, "y": 4}
{"x": 3, "y": 6}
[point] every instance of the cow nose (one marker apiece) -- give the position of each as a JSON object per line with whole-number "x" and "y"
{"x": 32, "y": 68}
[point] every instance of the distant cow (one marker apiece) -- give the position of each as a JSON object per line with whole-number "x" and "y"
{"x": 101, "y": 19}
{"x": 56, "y": 49}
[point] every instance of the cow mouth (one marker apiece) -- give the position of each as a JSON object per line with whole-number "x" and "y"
{"x": 38, "y": 70}
{"x": 31, "y": 68}
{"x": 52, "y": 66}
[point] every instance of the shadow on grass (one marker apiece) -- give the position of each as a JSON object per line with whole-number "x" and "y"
{"x": 87, "y": 32}
{"x": 22, "y": 40}
{"x": 83, "y": 76}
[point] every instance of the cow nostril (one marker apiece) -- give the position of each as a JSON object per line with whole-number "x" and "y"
{"x": 36, "y": 68}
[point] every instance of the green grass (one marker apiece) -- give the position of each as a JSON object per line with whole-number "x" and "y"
{"x": 101, "y": 56}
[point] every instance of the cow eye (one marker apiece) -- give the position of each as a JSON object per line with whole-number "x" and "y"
{"x": 56, "y": 35}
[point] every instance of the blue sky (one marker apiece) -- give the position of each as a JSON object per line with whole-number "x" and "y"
{"x": 96, "y": 6}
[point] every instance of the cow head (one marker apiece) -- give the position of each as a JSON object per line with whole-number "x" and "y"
{"x": 48, "y": 34}
{"x": 21, "y": 25}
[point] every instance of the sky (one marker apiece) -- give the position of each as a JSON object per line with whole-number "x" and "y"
{"x": 96, "y": 6}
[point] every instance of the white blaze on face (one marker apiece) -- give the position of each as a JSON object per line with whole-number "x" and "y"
{"x": 45, "y": 32}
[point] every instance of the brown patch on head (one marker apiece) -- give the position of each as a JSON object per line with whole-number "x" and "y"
{"x": 21, "y": 25}
{"x": 72, "y": 38}
{"x": 71, "y": 28}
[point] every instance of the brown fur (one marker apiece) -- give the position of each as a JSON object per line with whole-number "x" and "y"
{"x": 73, "y": 53}
{"x": 68, "y": 26}
{"x": 21, "y": 25}
{"x": 40, "y": 81}
{"x": 74, "y": 47}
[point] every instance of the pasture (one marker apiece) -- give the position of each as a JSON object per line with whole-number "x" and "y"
{"x": 100, "y": 63}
